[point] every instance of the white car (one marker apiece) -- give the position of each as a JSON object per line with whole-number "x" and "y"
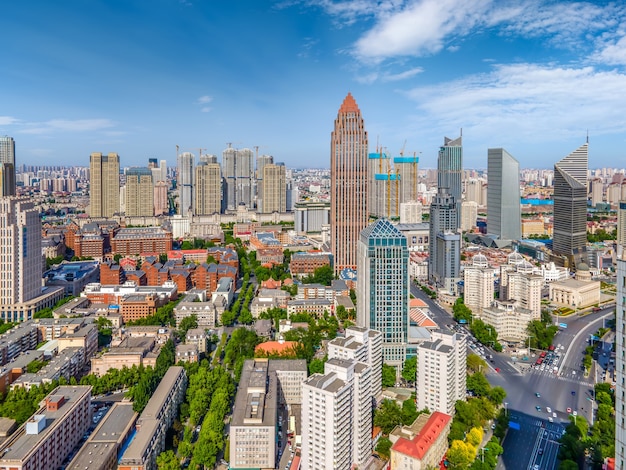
{"x": 548, "y": 409}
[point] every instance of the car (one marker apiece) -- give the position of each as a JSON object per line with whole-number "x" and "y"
{"x": 538, "y": 395}
{"x": 569, "y": 410}
{"x": 538, "y": 408}
{"x": 497, "y": 369}
{"x": 554, "y": 415}
{"x": 550, "y": 419}
{"x": 540, "y": 451}
{"x": 573, "y": 393}
{"x": 493, "y": 426}
{"x": 536, "y": 467}
{"x": 548, "y": 409}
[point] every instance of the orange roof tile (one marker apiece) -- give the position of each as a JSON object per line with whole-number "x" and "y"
{"x": 420, "y": 444}
{"x": 419, "y": 317}
{"x": 276, "y": 347}
{"x": 417, "y": 303}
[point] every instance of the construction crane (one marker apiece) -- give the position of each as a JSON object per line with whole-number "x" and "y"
{"x": 200, "y": 152}
{"x": 402, "y": 149}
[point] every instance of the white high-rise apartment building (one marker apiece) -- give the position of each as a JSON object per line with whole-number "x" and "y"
{"x": 478, "y": 287}
{"x": 274, "y": 188}
{"x": 139, "y": 198}
{"x": 362, "y": 345}
{"x": 7, "y": 150}
{"x": 525, "y": 289}
{"x": 469, "y": 214}
{"x": 620, "y": 365}
{"x": 337, "y": 416}
{"x": 441, "y": 371}
{"x": 208, "y": 191}
{"x": 621, "y": 225}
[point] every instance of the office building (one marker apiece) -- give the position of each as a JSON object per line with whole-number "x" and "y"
{"x": 337, "y": 416}
{"x": 156, "y": 418}
{"x": 504, "y": 211}
{"x": 185, "y": 183}
{"x": 21, "y": 291}
{"x": 570, "y": 204}
{"x": 444, "y": 245}
{"x": 51, "y": 434}
{"x": 449, "y": 171}
{"x": 441, "y": 371}
{"x": 348, "y": 184}
{"x": 383, "y": 287}
{"x": 238, "y": 170}
{"x": 139, "y": 193}
{"x": 7, "y": 150}
{"x": 104, "y": 185}
{"x": 311, "y": 216}
{"x": 265, "y": 388}
{"x": 274, "y": 188}
{"x": 620, "y": 366}
{"x": 7, "y": 179}
{"x": 208, "y": 188}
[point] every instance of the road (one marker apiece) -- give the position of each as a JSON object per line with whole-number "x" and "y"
{"x": 566, "y": 389}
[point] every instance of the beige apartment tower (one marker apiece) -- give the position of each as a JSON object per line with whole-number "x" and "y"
{"x": 208, "y": 191}
{"x": 348, "y": 183}
{"x": 104, "y": 185}
{"x": 274, "y": 188}
{"x": 139, "y": 193}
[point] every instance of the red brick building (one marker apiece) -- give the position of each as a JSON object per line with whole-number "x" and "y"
{"x": 133, "y": 241}
{"x": 111, "y": 273}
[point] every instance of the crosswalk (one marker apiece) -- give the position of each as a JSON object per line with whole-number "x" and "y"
{"x": 564, "y": 376}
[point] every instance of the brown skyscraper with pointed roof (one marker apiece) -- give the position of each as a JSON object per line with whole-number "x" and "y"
{"x": 348, "y": 184}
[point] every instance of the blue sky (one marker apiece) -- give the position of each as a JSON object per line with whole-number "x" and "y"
{"x": 139, "y": 77}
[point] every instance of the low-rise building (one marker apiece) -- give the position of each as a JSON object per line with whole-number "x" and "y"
{"x": 157, "y": 417}
{"x": 197, "y": 336}
{"x": 316, "y": 307}
{"x": 509, "y": 319}
{"x": 305, "y": 263}
{"x": 49, "y": 436}
{"x": 187, "y": 353}
{"x": 130, "y": 352}
{"x": 575, "y": 293}
{"x": 422, "y": 445}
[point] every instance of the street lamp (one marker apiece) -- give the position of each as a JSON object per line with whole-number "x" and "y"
{"x": 483, "y": 449}
{"x": 506, "y": 411}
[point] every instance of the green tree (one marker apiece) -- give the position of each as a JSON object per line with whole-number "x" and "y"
{"x": 384, "y": 447}
{"x": 387, "y": 416}
{"x": 167, "y": 461}
{"x": 316, "y": 366}
{"x": 474, "y": 436}
{"x": 187, "y": 324}
{"x": 409, "y": 411}
{"x": 460, "y": 455}
{"x": 568, "y": 465}
{"x": 228, "y": 318}
{"x": 475, "y": 363}
{"x": 389, "y": 376}
{"x": 409, "y": 369}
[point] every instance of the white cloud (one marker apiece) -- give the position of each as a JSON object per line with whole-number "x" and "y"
{"x": 206, "y": 109}
{"x": 205, "y": 99}
{"x": 66, "y": 125}
{"x": 613, "y": 53}
{"x": 527, "y": 102}
{"x": 8, "y": 120}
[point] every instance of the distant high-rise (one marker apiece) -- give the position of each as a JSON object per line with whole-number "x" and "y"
{"x": 407, "y": 170}
{"x": 450, "y": 169}
{"x": 504, "y": 211}
{"x": 348, "y": 183}
{"x": 7, "y": 150}
{"x": 444, "y": 242}
{"x": 620, "y": 366}
{"x": 261, "y": 161}
{"x": 139, "y": 193}
{"x": 208, "y": 189}
{"x": 570, "y": 203}
{"x": 238, "y": 170}
{"x": 274, "y": 188}
{"x": 207, "y": 158}
{"x": 104, "y": 184}
{"x": 185, "y": 183}
{"x": 383, "y": 287}
{"x": 621, "y": 224}
{"x": 160, "y": 198}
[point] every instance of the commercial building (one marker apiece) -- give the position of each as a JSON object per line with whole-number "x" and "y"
{"x": 311, "y": 216}
{"x": 575, "y": 293}
{"x": 449, "y": 172}
{"x": 7, "y": 166}
{"x": 348, "y": 184}
{"x": 104, "y": 185}
{"x": 504, "y": 211}
{"x": 383, "y": 287}
{"x": 139, "y": 193}
{"x": 422, "y": 445}
{"x": 156, "y": 418}
{"x": 444, "y": 247}
{"x": 570, "y": 204}
{"x": 49, "y": 436}
{"x": 21, "y": 291}
{"x": 266, "y": 386}
{"x": 337, "y": 416}
{"x": 441, "y": 371}
{"x": 208, "y": 189}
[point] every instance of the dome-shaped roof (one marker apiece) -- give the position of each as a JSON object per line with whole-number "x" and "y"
{"x": 515, "y": 258}
{"x": 480, "y": 260}
{"x": 582, "y": 266}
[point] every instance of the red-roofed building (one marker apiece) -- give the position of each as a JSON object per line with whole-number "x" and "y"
{"x": 271, "y": 284}
{"x": 417, "y": 303}
{"x": 422, "y": 445}
{"x": 280, "y": 348}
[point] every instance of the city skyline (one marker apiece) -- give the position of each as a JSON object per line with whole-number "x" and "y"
{"x": 537, "y": 75}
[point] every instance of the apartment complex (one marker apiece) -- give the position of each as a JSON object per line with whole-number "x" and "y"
{"x": 620, "y": 365}
{"x": 208, "y": 189}
{"x": 139, "y": 193}
{"x": 478, "y": 288}
{"x": 156, "y": 418}
{"x": 266, "y": 386}
{"x": 441, "y": 371}
{"x": 348, "y": 183}
{"x": 274, "y": 188}
{"x": 49, "y": 436}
